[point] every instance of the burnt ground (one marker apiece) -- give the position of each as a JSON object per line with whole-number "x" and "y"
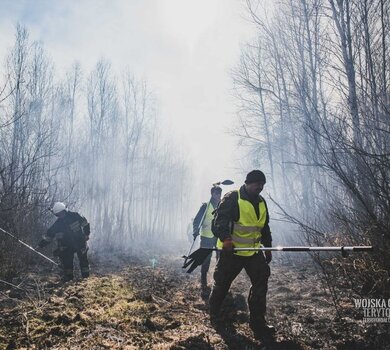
{"x": 131, "y": 304}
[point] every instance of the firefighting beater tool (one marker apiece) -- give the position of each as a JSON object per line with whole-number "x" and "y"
{"x": 29, "y": 247}
{"x": 225, "y": 182}
{"x": 200, "y": 255}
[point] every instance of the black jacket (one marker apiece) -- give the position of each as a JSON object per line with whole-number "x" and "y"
{"x": 71, "y": 232}
{"x": 228, "y": 212}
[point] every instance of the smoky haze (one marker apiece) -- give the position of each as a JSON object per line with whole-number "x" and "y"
{"x": 129, "y": 111}
{"x": 138, "y": 107}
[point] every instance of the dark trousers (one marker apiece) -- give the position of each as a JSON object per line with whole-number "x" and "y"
{"x": 206, "y": 242}
{"x": 67, "y": 257}
{"x": 227, "y": 269}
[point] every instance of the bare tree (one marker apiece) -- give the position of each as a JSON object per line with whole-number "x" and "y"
{"x": 325, "y": 77}
{"x": 91, "y": 142}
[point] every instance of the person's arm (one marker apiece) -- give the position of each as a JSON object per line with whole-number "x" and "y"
{"x": 48, "y": 237}
{"x": 197, "y": 219}
{"x": 266, "y": 236}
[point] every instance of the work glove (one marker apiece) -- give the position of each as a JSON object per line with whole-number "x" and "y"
{"x": 228, "y": 245}
{"x": 195, "y": 234}
{"x": 268, "y": 256}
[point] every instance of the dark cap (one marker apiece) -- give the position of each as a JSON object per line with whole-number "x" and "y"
{"x": 216, "y": 189}
{"x": 255, "y": 176}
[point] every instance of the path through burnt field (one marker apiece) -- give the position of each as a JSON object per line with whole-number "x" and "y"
{"x": 131, "y": 304}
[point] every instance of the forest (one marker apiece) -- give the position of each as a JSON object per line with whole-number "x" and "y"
{"x": 311, "y": 90}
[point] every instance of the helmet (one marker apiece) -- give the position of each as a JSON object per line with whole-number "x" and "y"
{"x": 58, "y": 207}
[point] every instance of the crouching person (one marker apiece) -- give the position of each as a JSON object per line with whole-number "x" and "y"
{"x": 71, "y": 230}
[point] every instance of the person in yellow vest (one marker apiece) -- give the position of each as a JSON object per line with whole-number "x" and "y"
{"x": 241, "y": 220}
{"x": 202, "y": 226}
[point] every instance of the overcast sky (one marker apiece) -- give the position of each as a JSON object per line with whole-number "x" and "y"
{"x": 185, "y": 49}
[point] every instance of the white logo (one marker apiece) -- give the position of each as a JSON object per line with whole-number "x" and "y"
{"x": 374, "y": 310}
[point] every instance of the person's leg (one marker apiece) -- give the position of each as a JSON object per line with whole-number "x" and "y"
{"x": 205, "y": 242}
{"x": 227, "y": 269}
{"x": 258, "y": 272}
{"x": 66, "y": 258}
{"x": 204, "y": 270}
{"x": 84, "y": 263}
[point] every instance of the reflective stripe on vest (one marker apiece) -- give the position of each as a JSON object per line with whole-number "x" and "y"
{"x": 251, "y": 241}
{"x": 238, "y": 227}
{"x": 206, "y": 225}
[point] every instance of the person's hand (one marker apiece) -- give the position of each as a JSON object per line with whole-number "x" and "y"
{"x": 86, "y": 238}
{"x": 195, "y": 234}
{"x": 268, "y": 256}
{"x": 227, "y": 245}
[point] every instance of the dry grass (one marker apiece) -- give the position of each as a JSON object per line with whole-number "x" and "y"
{"x": 144, "y": 308}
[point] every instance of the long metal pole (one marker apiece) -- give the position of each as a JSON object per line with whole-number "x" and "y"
{"x": 28, "y": 246}
{"x": 190, "y": 250}
{"x": 301, "y": 249}
{"x": 199, "y": 256}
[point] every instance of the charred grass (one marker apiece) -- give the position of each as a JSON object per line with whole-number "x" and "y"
{"x": 140, "y": 306}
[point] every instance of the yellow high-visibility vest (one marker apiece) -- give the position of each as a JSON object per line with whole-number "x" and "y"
{"x": 206, "y": 225}
{"x": 247, "y": 231}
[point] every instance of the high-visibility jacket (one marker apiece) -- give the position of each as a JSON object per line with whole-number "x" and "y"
{"x": 206, "y": 225}
{"x": 246, "y": 232}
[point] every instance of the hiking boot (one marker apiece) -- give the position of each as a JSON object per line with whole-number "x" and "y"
{"x": 264, "y": 333}
{"x": 65, "y": 279}
{"x": 216, "y": 322}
